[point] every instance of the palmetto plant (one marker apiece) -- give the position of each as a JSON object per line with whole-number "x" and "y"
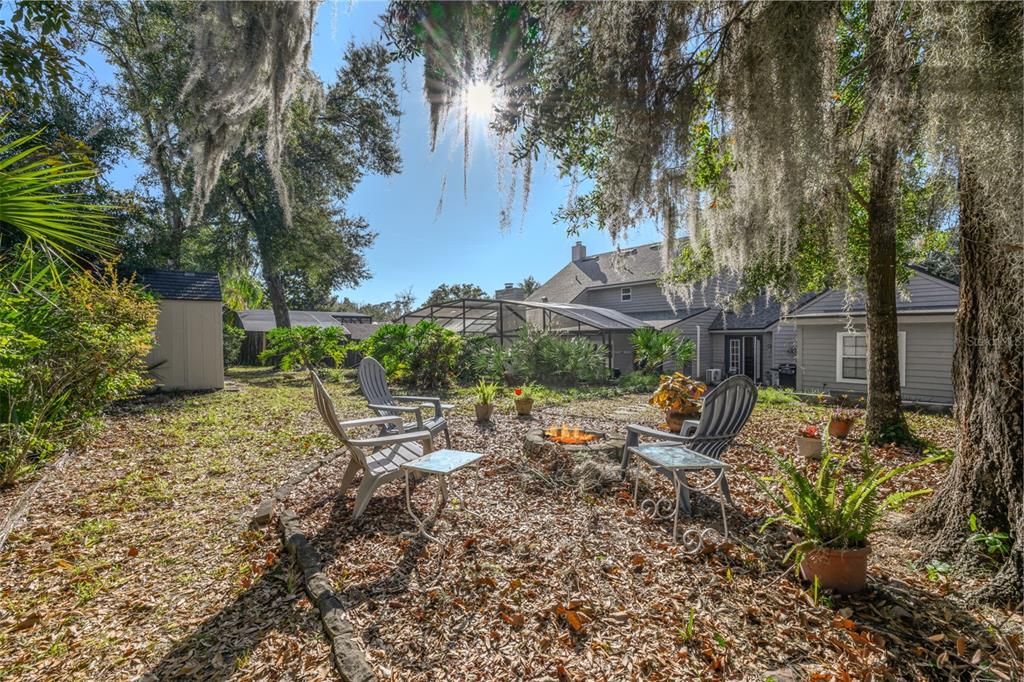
{"x": 653, "y": 347}
{"x": 39, "y": 205}
{"x": 833, "y": 509}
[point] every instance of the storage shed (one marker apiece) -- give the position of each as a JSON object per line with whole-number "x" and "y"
{"x": 188, "y": 354}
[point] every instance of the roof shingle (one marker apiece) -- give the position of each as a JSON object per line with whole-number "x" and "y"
{"x": 181, "y": 286}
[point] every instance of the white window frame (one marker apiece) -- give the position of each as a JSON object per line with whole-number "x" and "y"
{"x": 626, "y": 294}
{"x": 839, "y": 358}
{"x": 737, "y": 345}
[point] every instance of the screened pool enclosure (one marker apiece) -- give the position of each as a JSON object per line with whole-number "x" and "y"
{"x": 502, "y": 320}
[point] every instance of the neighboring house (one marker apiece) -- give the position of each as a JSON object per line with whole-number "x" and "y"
{"x": 257, "y": 323}
{"x": 832, "y": 341}
{"x": 755, "y": 341}
{"x": 188, "y": 351}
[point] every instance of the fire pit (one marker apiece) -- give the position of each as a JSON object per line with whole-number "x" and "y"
{"x": 573, "y": 440}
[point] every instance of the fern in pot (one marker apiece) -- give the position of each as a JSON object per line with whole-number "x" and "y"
{"x": 835, "y": 512}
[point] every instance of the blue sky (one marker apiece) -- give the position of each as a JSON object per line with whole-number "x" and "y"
{"x": 417, "y": 246}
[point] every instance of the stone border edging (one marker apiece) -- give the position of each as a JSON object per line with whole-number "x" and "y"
{"x": 346, "y": 656}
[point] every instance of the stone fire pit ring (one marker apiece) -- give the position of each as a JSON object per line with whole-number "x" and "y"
{"x": 607, "y": 448}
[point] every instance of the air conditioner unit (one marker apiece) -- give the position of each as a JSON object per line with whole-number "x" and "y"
{"x": 712, "y": 376}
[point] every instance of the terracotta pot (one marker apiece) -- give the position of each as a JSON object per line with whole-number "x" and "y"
{"x": 524, "y": 406}
{"x": 484, "y": 412}
{"x": 842, "y": 570}
{"x": 839, "y": 429}
{"x": 809, "y": 448}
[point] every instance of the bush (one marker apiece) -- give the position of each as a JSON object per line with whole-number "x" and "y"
{"x": 66, "y": 351}
{"x": 390, "y": 346}
{"x": 304, "y": 347}
{"x": 479, "y": 358}
{"x": 639, "y": 382}
{"x": 233, "y": 339}
{"x": 652, "y": 348}
{"x": 426, "y": 354}
{"x": 434, "y": 352}
{"x": 547, "y": 357}
{"x": 777, "y": 396}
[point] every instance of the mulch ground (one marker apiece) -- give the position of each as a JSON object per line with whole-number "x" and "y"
{"x": 137, "y": 561}
{"x": 539, "y": 579}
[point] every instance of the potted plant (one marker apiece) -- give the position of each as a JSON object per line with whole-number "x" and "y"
{"x": 808, "y": 441}
{"x": 524, "y": 399}
{"x": 835, "y": 512}
{"x": 679, "y": 396}
{"x": 841, "y": 421}
{"x": 484, "y": 392}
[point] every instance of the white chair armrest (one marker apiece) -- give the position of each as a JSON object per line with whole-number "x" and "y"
{"x": 407, "y": 437}
{"x": 398, "y": 408}
{"x": 369, "y": 421}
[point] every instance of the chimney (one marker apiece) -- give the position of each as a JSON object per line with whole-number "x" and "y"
{"x": 510, "y": 293}
{"x": 579, "y": 252}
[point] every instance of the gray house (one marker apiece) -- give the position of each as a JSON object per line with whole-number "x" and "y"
{"x": 832, "y": 343}
{"x": 755, "y": 341}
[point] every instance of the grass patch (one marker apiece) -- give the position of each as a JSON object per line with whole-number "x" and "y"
{"x": 777, "y": 396}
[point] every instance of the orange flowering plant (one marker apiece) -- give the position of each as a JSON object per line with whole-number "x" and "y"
{"x": 678, "y": 393}
{"x": 809, "y": 431}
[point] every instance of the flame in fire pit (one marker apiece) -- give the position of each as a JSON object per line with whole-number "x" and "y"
{"x": 569, "y": 435}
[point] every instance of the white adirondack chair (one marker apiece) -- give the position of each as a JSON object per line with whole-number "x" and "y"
{"x": 374, "y": 385}
{"x": 723, "y": 414}
{"x": 380, "y": 458}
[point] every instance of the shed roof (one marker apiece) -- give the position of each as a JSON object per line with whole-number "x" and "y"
{"x": 263, "y": 320}
{"x": 361, "y": 330}
{"x": 181, "y": 286}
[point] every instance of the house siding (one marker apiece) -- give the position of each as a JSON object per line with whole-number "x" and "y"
{"x": 928, "y": 355}
{"x": 646, "y": 298}
{"x": 697, "y": 329}
{"x": 783, "y": 343}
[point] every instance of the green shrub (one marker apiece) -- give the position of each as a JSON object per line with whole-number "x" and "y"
{"x": 304, "y": 347}
{"x": 547, "y": 357}
{"x": 390, "y": 346}
{"x": 652, "y": 348}
{"x": 68, "y": 347}
{"x": 425, "y": 354}
{"x": 477, "y": 359}
{"x": 639, "y": 382}
{"x": 434, "y": 352}
{"x": 233, "y": 339}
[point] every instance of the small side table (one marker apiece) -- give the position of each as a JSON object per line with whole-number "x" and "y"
{"x": 676, "y": 460}
{"x": 440, "y": 463}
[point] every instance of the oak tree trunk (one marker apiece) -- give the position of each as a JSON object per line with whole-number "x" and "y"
{"x": 275, "y": 290}
{"x": 985, "y": 478}
{"x": 888, "y": 73}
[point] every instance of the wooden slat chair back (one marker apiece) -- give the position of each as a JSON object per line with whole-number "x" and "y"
{"x": 373, "y": 383}
{"x": 380, "y": 458}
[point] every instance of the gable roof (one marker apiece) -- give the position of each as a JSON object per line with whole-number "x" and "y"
{"x": 761, "y": 313}
{"x": 623, "y": 266}
{"x": 924, "y": 294}
{"x": 263, "y": 320}
{"x": 181, "y": 286}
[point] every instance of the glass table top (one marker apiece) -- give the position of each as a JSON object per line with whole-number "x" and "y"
{"x": 675, "y": 456}
{"x": 443, "y": 461}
